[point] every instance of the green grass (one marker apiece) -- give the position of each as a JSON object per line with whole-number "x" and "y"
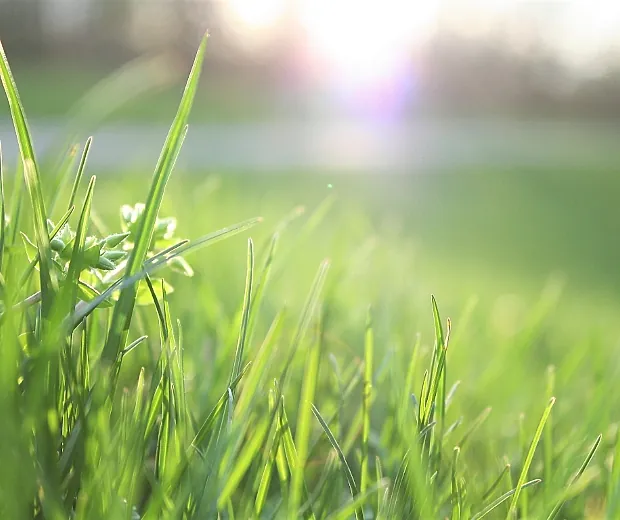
{"x": 302, "y": 369}
{"x": 152, "y": 88}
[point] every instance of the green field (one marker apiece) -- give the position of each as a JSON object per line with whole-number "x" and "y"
{"x": 147, "y": 93}
{"x": 361, "y": 400}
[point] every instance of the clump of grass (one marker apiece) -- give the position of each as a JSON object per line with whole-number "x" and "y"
{"x": 82, "y": 440}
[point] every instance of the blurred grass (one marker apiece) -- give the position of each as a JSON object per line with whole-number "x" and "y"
{"x": 215, "y": 101}
{"x": 499, "y": 231}
{"x": 533, "y": 253}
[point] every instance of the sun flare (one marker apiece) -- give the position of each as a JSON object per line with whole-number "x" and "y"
{"x": 363, "y": 40}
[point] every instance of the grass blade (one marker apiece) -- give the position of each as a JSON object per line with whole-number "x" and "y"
{"x": 245, "y": 317}
{"x": 75, "y": 266}
{"x": 499, "y": 501}
{"x": 529, "y": 457}
{"x": 123, "y": 310}
{"x": 363, "y": 498}
{"x": 306, "y": 315}
{"x": 366, "y": 401}
{"x": 302, "y": 438}
{"x": 33, "y": 183}
{"x": 2, "y": 209}
{"x": 583, "y": 467}
{"x": 80, "y": 171}
{"x": 359, "y": 513}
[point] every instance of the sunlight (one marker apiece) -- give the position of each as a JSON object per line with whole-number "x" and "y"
{"x": 256, "y": 14}
{"x": 362, "y": 40}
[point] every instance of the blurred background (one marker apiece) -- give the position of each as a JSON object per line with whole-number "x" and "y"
{"x": 350, "y": 85}
{"x": 477, "y": 137}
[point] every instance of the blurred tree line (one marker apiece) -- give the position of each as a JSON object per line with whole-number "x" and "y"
{"x": 457, "y": 75}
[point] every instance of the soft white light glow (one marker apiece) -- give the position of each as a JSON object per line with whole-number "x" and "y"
{"x": 256, "y": 14}
{"x": 364, "y": 40}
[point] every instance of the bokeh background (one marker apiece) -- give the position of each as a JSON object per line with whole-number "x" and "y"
{"x": 472, "y": 143}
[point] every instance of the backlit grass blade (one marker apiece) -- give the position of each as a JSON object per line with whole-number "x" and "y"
{"x": 302, "y": 433}
{"x": 613, "y": 488}
{"x": 499, "y": 501}
{"x": 243, "y": 460}
{"x": 359, "y": 513}
{"x": 366, "y": 400}
{"x": 245, "y": 316}
{"x": 290, "y": 452}
{"x": 134, "y": 344}
{"x": 209, "y": 421}
{"x": 123, "y": 309}
{"x": 528, "y": 459}
{"x": 80, "y": 171}
{"x": 456, "y": 494}
{"x": 2, "y": 209}
{"x": 548, "y": 438}
{"x": 33, "y": 183}
{"x": 577, "y": 476}
{"x": 252, "y": 383}
{"x": 62, "y": 170}
{"x": 76, "y": 264}
{"x": 496, "y": 482}
{"x": 264, "y": 478}
{"x": 306, "y": 315}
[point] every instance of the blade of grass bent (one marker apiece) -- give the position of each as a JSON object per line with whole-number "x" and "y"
{"x": 499, "y": 501}
{"x": 359, "y": 514}
{"x": 123, "y": 310}
{"x": 577, "y": 476}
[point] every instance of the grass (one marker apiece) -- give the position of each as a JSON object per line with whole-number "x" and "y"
{"x": 151, "y": 86}
{"x": 303, "y": 370}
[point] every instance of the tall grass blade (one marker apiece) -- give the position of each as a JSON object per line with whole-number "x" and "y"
{"x": 306, "y": 316}
{"x": 76, "y": 264}
{"x": 243, "y": 461}
{"x": 245, "y": 315}
{"x": 80, "y": 171}
{"x": 2, "y": 209}
{"x": 528, "y": 459}
{"x": 302, "y": 438}
{"x": 290, "y": 452}
{"x": 123, "y": 310}
{"x": 366, "y": 400}
{"x": 33, "y": 183}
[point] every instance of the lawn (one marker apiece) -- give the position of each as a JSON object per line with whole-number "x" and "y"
{"x": 145, "y": 92}
{"x": 291, "y": 386}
